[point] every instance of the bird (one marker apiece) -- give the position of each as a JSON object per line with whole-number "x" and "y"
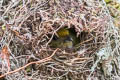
{"x": 63, "y": 43}
{"x": 66, "y": 38}
{"x": 62, "y": 39}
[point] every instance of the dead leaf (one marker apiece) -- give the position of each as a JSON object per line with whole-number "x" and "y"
{"x": 4, "y": 55}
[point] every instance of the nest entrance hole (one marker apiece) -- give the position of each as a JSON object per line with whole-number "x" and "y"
{"x": 69, "y": 39}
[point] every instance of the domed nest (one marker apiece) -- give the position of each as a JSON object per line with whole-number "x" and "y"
{"x": 57, "y": 39}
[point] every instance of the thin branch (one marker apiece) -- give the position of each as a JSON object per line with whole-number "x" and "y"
{"x": 35, "y": 62}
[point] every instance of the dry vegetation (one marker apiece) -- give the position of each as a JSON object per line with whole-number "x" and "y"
{"x": 28, "y": 26}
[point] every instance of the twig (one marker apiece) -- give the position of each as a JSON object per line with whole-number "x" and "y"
{"x": 35, "y": 62}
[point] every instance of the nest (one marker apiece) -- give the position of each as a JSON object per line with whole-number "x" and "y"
{"x": 33, "y": 26}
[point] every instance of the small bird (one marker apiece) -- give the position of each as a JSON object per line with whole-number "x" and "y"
{"x": 63, "y": 40}
{"x": 64, "y": 43}
{"x": 68, "y": 43}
